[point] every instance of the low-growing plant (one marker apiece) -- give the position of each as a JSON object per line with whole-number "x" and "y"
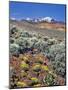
{"x": 57, "y": 57}
{"x": 45, "y": 68}
{"x": 35, "y": 54}
{"x": 39, "y": 58}
{"x": 34, "y": 80}
{"x": 23, "y": 74}
{"x": 36, "y": 68}
{"x": 21, "y": 84}
{"x": 24, "y": 66}
{"x": 49, "y": 80}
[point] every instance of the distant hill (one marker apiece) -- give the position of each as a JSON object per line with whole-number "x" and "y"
{"x": 51, "y": 29}
{"x": 43, "y": 23}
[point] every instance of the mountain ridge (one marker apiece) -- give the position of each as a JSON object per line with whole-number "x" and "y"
{"x": 41, "y": 19}
{"x": 43, "y": 24}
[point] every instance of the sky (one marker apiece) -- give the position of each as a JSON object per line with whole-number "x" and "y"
{"x": 22, "y": 10}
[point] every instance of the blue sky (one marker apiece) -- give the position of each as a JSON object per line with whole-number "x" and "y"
{"x": 21, "y": 10}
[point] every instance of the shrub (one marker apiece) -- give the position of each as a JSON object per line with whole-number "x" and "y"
{"x": 23, "y": 74}
{"x": 21, "y": 84}
{"x": 13, "y": 30}
{"x": 45, "y": 68}
{"x": 37, "y": 68}
{"x": 24, "y": 66}
{"x": 34, "y": 80}
{"x": 14, "y": 49}
{"x": 26, "y": 34}
{"x": 39, "y": 58}
{"x": 49, "y": 80}
{"x": 57, "y": 57}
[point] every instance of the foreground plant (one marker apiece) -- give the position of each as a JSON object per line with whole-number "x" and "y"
{"x": 49, "y": 80}
{"x": 36, "y": 60}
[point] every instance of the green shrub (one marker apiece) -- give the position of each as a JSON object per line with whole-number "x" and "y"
{"x": 49, "y": 80}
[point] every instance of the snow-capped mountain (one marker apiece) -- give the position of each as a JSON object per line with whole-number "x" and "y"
{"x": 28, "y": 19}
{"x": 13, "y": 18}
{"x": 39, "y": 23}
{"x": 47, "y": 19}
{"x": 32, "y": 19}
{"x": 40, "y": 19}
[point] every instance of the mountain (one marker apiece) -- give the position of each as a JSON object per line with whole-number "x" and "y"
{"x": 41, "y": 23}
{"x": 47, "y": 19}
{"x": 45, "y": 26}
{"x": 36, "y": 20}
{"x": 40, "y": 19}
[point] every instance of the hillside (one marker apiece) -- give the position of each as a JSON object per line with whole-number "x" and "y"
{"x": 51, "y": 29}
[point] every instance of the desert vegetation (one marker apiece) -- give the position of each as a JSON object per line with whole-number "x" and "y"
{"x": 36, "y": 60}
